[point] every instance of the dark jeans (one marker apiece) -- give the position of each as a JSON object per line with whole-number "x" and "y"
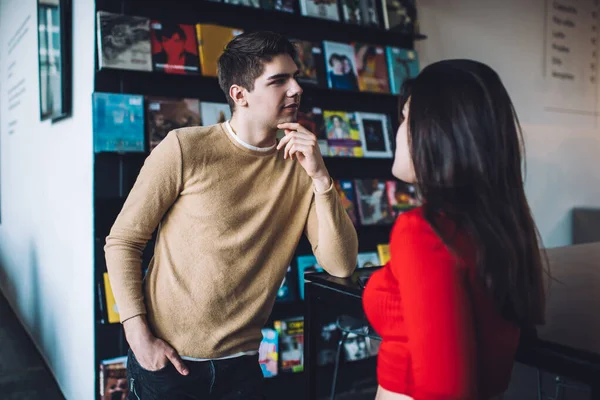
{"x": 231, "y": 379}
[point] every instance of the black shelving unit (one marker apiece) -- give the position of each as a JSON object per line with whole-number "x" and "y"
{"x": 115, "y": 174}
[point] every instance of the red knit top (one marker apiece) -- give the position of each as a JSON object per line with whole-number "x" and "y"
{"x": 442, "y": 337}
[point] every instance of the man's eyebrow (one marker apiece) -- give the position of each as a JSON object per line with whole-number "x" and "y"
{"x": 283, "y": 75}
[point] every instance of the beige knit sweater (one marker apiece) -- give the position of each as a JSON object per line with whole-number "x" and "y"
{"x": 229, "y": 220}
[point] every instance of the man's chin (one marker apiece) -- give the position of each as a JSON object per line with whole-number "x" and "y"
{"x": 289, "y": 118}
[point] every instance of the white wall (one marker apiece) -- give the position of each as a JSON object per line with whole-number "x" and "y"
{"x": 46, "y": 244}
{"x": 562, "y": 149}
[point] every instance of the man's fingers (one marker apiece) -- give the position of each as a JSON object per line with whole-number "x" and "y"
{"x": 300, "y": 149}
{"x": 295, "y": 140}
{"x": 283, "y": 141}
{"x": 293, "y": 126}
{"x": 176, "y": 361}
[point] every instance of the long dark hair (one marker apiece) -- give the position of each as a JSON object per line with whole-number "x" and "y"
{"x": 467, "y": 150}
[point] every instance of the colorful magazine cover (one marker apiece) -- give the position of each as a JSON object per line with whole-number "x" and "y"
{"x": 212, "y": 39}
{"x": 306, "y": 264}
{"x": 343, "y": 136}
{"x": 113, "y": 379}
{"x": 374, "y": 135}
{"x": 309, "y": 57}
{"x": 312, "y": 119}
{"x": 174, "y": 48}
{"x": 268, "y": 352}
{"x": 371, "y": 64}
{"x": 341, "y": 66}
{"x": 372, "y": 200}
{"x": 346, "y": 191}
{"x": 124, "y": 42}
{"x": 326, "y": 9}
{"x": 165, "y": 114}
{"x": 403, "y": 64}
{"x": 383, "y": 250}
{"x": 401, "y": 195}
{"x": 112, "y": 311}
{"x": 118, "y": 122}
{"x": 291, "y": 344}
{"x": 368, "y": 259}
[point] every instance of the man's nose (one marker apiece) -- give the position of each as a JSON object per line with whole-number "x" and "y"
{"x": 295, "y": 88}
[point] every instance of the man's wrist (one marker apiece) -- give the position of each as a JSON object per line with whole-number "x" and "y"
{"x": 322, "y": 183}
{"x": 136, "y": 330}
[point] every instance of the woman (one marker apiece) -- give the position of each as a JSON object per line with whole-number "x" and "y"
{"x": 465, "y": 274}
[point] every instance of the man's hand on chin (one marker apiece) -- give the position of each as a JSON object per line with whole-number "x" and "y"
{"x": 301, "y": 144}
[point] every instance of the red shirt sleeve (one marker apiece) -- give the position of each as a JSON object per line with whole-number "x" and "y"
{"x": 437, "y": 312}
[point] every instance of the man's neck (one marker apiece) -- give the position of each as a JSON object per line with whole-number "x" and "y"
{"x": 249, "y": 132}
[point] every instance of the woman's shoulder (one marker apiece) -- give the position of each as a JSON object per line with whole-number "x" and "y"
{"x": 413, "y": 229}
{"x": 410, "y": 220}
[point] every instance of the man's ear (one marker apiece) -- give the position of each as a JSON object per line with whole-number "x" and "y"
{"x": 238, "y": 95}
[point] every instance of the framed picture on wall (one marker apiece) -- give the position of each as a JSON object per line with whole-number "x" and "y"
{"x": 54, "y": 58}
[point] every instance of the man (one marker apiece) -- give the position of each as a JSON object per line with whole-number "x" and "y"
{"x": 231, "y": 204}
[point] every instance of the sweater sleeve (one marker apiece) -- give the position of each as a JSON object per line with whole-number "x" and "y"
{"x": 157, "y": 187}
{"x": 332, "y": 234}
{"x": 437, "y": 312}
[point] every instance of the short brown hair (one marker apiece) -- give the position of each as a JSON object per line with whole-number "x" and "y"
{"x": 243, "y": 59}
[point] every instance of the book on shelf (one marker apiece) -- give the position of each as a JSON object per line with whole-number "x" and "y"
{"x": 174, "y": 48}
{"x": 400, "y": 16}
{"x": 402, "y": 196}
{"x": 124, "y": 42}
{"x": 310, "y": 61}
{"x": 164, "y": 114}
{"x": 325, "y": 9}
{"x": 306, "y": 264}
{"x": 291, "y": 344}
{"x": 288, "y": 6}
{"x": 374, "y": 135}
{"x": 112, "y": 311}
{"x": 383, "y": 250}
{"x": 368, "y": 259}
{"x": 403, "y": 64}
{"x": 371, "y": 64}
{"x": 340, "y": 61}
{"x": 360, "y": 12}
{"x": 373, "y": 204}
{"x": 118, "y": 121}
{"x": 327, "y": 344}
{"x": 268, "y": 352}
{"x": 245, "y": 3}
{"x": 345, "y": 189}
{"x": 214, "y": 113}
{"x": 343, "y": 136}
{"x": 113, "y": 379}
{"x": 312, "y": 119}
{"x": 212, "y": 40}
